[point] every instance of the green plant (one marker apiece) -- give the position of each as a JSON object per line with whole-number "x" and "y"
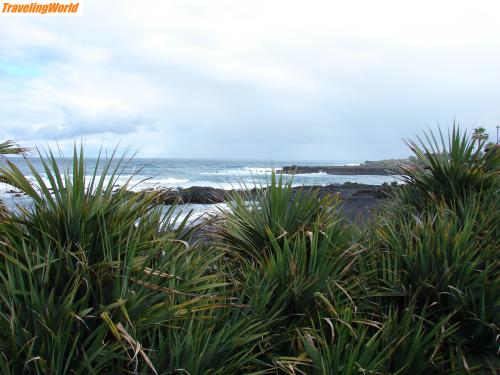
{"x": 348, "y": 342}
{"x": 89, "y": 273}
{"x": 300, "y": 267}
{"x": 445, "y": 261}
{"x": 282, "y": 287}
{"x": 448, "y": 171}
{"x": 217, "y": 341}
{"x": 435, "y": 246}
{"x": 96, "y": 279}
{"x": 274, "y": 211}
{"x": 343, "y": 344}
{"x": 8, "y": 148}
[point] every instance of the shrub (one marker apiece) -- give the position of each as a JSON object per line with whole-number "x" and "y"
{"x": 89, "y": 273}
{"x": 446, "y": 262}
{"x": 216, "y": 341}
{"x": 450, "y": 172}
{"x": 96, "y": 279}
{"x": 274, "y": 211}
{"x": 298, "y": 268}
{"x": 346, "y": 342}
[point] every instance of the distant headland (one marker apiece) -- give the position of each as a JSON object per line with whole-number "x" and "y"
{"x": 376, "y": 168}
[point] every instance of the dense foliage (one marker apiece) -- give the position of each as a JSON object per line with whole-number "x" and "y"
{"x": 97, "y": 280}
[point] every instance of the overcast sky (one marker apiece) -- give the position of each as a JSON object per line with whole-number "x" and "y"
{"x": 250, "y": 79}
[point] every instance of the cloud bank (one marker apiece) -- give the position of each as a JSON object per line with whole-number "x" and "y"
{"x": 260, "y": 79}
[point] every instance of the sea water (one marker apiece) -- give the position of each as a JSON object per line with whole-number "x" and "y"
{"x": 144, "y": 173}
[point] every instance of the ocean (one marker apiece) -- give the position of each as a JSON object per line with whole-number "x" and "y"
{"x": 225, "y": 174}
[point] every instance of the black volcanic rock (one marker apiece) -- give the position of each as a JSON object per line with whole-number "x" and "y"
{"x": 340, "y": 170}
{"x": 358, "y": 200}
{"x": 194, "y": 194}
{"x": 203, "y": 195}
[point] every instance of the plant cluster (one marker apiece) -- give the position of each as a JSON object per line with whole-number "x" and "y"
{"x": 97, "y": 280}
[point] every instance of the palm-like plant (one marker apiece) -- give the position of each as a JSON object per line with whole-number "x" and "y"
{"x": 8, "y": 148}
{"x": 480, "y": 136}
{"x": 446, "y": 263}
{"x": 448, "y": 171}
{"x": 345, "y": 341}
{"x": 436, "y": 244}
{"x": 11, "y": 148}
{"x": 89, "y": 273}
{"x": 295, "y": 270}
{"x": 273, "y": 211}
{"x": 96, "y": 279}
{"x": 219, "y": 341}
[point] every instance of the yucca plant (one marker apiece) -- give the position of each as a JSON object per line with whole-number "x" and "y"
{"x": 449, "y": 170}
{"x": 282, "y": 287}
{"x": 11, "y": 148}
{"x": 349, "y": 342}
{"x": 344, "y": 344}
{"x": 446, "y": 261}
{"x": 435, "y": 245}
{"x": 284, "y": 245}
{"x": 8, "y": 148}
{"x": 89, "y": 273}
{"x": 275, "y": 210}
{"x": 305, "y": 265}
{"x": 216, "y": 341}
{"x": 413, "y": 344}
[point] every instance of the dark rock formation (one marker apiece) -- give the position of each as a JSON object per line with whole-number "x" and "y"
{"x": 340, "y": 170}
{"x": 194, "y": 194}
{"x": 379, "y": 167}
{"x": 358, "y": 200}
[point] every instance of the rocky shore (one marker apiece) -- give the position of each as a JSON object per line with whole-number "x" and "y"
{"x": 358, "y": 200}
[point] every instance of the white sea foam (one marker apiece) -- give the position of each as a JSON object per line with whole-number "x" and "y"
{"x": 312, "y": 175}
{"x": 246, "y": 171}
{"x": 217, "y": 174}
{"x": 197, "y": 212}
{"x": 167, "y": 181}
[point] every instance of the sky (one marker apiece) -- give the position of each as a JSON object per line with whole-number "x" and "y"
{"x": 328, "y": 80}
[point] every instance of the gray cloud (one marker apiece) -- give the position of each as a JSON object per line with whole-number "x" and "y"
{"x": 322, "y": 81}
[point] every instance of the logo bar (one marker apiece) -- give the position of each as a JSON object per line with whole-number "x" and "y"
{"x": 42, "y": 8}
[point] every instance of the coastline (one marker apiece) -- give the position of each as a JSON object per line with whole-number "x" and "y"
{"x": 357, "y": 200}
{"x": 343, "y": 170}
{"x": 389, "y": 167}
